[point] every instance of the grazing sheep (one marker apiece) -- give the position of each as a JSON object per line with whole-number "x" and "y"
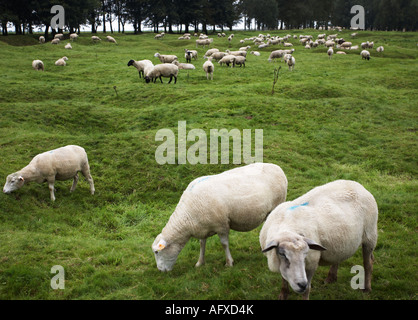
{"x": 41, "y": 39}
{"x": 380, "y": 49}
{"x": 186, "y": 66}
{"x": 287, "y": 44}
{"x": 332, "y": 220}
{"x": 240, "y": 61}
{"x": 59, "y": 36}
{"x": 210, "y": 52}
{"x": 329, "y": 43}
{"x": 111, "y": 39}
{"x": 162, "y": 70}
{"x": 228, "y": 59}
{"x": 365, "y": 55}
{"x": 209, "y": 68}
{"x": 95, "y": 38}
{"x": 189, "y": 54}
{"x": 346, "y": 45}
{"x": 68, "y": 46}
{"x": 141, "y": 66}
{"x": 239, "y": 199}
{"x": 275, "y": 55}
{"x": 61, "y": 62}
{"x": 165, "y": 58}
{"x": 340, "y": 52}
{"x": 330, "y": 52}
{"x": 38, "y": 65}
{"x": 60, "y": 164}
{"x": 203, "y": 42}
{"x": 218, "y": 55}
{"x": 242, "y": 53}
{"x": 256, "y": 53}
{"x": 55, "y": 41}
{"x": 73, "y": 36}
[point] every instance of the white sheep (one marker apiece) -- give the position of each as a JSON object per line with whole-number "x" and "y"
{"x": 239, "y": 61}
{"x": 346, "y": 45}
{"x": 165, "y": 58}
{"x": 329, "y": 43}
{"x": 59, "y": 36}
{"x": 55, "y": 41}
{"x": 189, "y": 54}
{"x": 279, "y": 54}
{"x": 60, "y": 164}
{"x": 209, "y": 68}
{"x": 365, "y": 55}
{"x": 203, "y": 42}
{"x": 73, "y": 36}
{"x": 218, "y": 55}
{"x": 291, "y": 62}
{"x": 228, "y": 59}
{"x": 332, "y": 220}
{"x": 380, "y": 49}
{"x": 141, "y": 65}
{"x": 38, "y": 65}
{"x": 68, "y": 46}
{"x": 111, "y": 39}
{"x": 61, "y": 62}
{"x": 95, "y": 38}
{"x": 41, "y": 39}
{"x": 242, "y": 53}
{"x": 167, "y": 70}
{"x": 185, "y": 66}
{"x": 256, "y": 53}
{"x": 210, "y": 52}
{"x": 330, "y": 52}
{"x": 239, "y": 199}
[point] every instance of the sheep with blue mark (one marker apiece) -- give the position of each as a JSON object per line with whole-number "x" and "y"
{"x": 323, "y": 227}
{"x": 239, "y": 199}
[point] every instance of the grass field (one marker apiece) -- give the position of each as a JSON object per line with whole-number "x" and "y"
{"x": 342, "y": 118}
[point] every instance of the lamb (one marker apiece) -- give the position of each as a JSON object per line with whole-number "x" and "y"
{"x": 380, "y": 49}
{"x": 165, "y": 58}
{"x": 162, "y": 70}
{"x": 68, "y": 46}
{"x": 228, "y": 59}
{"x": 291, "y": 62}
{"x": 186, "y": 66}
{"x": 41, "y": 39}
{"x": 330, "y": 52}
{"x": 239, "y": 199}
{"x": 189, "y": 54}
{"x": 38, "y": 65}
{"x": 61, "y": 62}
{"x": 365, "y": 55}
{"x": 332, "y": 220}
{"x": 209, "y": 68}
{"x": 111, "y": 39}
{"x": 141, "y": 66}
{"x": 59, "y": 164}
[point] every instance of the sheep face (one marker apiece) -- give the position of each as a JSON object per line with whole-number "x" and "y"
{"x": 165, "y": 253}
{"x": 13, "y": 182}
{"x": 292, "y": 253}
{"x": 131, "y": 62}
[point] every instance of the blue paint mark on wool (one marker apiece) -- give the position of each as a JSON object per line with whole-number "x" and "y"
{"x": 300, "y": 205}
{"x": 199, "y": 181}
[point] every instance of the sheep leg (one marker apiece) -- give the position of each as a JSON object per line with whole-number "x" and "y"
{"x": 175, "y": 78}
{"x": 225, "y": 244}
{"x": 368, "y": 259}
{"x": 285, "y": 290}
{"x": 201, "y": 260}
{"x": 51, "y": 182}
{"x": 171, "y": 78}
{"x": 86, "y": 173}
{"x": 332, "y": 274}
{"x": 161, "y": 79}
{"x": 75, "y": 180}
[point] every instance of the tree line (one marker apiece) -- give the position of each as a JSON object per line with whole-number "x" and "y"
{"x": 27, "y": 16}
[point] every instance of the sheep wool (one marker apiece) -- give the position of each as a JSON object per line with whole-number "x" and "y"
{"x": 239, "y": 199}
{"x": 167, "y": 70}
{"x": 325, "y": 226}
{"x": 38, "y": 65}
{"x": 209, "y": 68}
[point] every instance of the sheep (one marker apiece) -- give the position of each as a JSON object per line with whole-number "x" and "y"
{"x": 239, "y": 199}
{"x": 330, "y": 52}
{"x": 346, "y": 45}
{"x": 162, "y": 70}
{"x": 141, "y": 66}
{"x": 68, "y": 46}
{"x": 203, "y": 42}
{"x": 354, "y": 48}
{"x": 291, "y": 63}
{"x": 73, "y": 36}
{"x": 59, "y": 36}
{"x": 95, "y": 38}
{"x": 159, "y": 36}
{"x": 237, "y": 53}
{"x": 279, "y": 54}
{"x": 55, "y": 41}
{"x": 165, "y": 58}
{"x": 244, "y": 48}
{"x": 210, "y": 52}
{"x": 239, "y": 61}
{"x": 111, "y": 39}
{"x": 218, "y": 55}
{"x": 329, "y": 43}
{"x": 332, "y": 220}
{"x": 228, "y": 59}
{"x": 256, "y": 53}
{"x": 59, "y": 164}
{"x": 380, "y": 49}
{"x": 186, "y": 66}
{"x": 189, "y": 54}
{"x": 61, "y": 62}
{"x": 365, "y": 55}
{"x": 340, "y": 52}
{"x": 41, "y": 39}
{"x": 209, "y": 68}
{"x": 38, "y": 65}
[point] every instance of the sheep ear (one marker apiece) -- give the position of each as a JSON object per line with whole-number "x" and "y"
{"x": 313, "y": 245}
{"x": 161, "y": 245}
{"x": 273, "y": 244}
{"x": 21, "y": 178}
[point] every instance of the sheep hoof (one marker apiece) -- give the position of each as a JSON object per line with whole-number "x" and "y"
{"x": 199, "y": 263}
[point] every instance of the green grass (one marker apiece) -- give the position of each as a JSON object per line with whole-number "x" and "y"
{"x": 329, "y": 119}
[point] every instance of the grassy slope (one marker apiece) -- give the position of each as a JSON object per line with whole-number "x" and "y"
{"x": 329, "y": 119}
